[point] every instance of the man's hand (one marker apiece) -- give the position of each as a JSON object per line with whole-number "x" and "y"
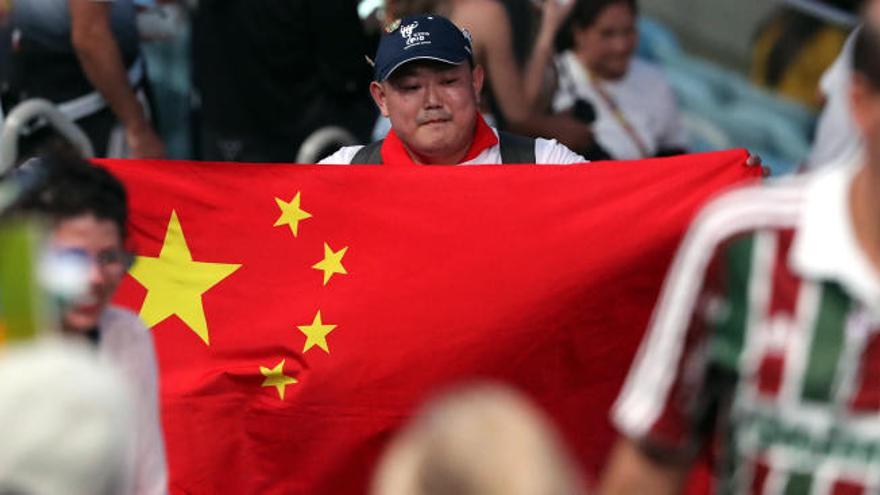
{"x": 143, "y": 142}
{"x": 755, "y": 161}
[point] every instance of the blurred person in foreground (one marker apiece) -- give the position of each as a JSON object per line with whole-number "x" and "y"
{"x": 65, "y": 422}
{"x": 479, "y": 440}
{"x": 84, "y": 56}
{"x": 87, "y": 209}
{"x": 636, "y": 114}
{"x": 427, "y": 84}
{"x": 765, "y": 342}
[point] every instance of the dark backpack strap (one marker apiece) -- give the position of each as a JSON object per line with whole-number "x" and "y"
{"x": 516, "y": 149}
{"x": 370, "y": 154}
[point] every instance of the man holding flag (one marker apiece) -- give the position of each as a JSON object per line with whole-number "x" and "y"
{"x": 426, "y": 83}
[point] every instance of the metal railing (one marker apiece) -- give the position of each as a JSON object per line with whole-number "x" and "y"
{"x": 319, "y": 141}
{"x": 26, "y": 112}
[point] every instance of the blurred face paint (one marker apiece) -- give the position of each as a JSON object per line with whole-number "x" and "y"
{"x": 100, "y": 243}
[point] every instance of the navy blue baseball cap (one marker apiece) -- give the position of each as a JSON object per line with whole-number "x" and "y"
{"x": 422, "y": 37}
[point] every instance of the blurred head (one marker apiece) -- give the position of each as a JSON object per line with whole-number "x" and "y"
{"x": 87, "y": 208}
{"x": 65, "y": 421}
{"x": 481, "y": 440}
{"x": 603, "y": 35}
{"x": 427, "y": 85}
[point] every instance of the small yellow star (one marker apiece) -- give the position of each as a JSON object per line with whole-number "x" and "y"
{"x": 291, "y": 213}
{"x": 316, "y": 334}
{"x": 275, "y": 377}
{"x": 332, "y": 262}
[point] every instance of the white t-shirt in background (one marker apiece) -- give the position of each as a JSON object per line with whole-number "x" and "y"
{"x": 643, "y": 97}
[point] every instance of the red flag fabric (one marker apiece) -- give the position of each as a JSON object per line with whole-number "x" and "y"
{"x": 302, "y": 312}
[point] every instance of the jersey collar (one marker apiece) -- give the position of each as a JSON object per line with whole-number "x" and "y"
{"x": 825, "y": 245}
{"x": 394, "y": 152}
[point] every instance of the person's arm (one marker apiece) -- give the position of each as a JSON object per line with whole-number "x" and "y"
{"x": 490, "y": 27}
{"x": 631, "y": 471}
{"x": 678, "y": 390}
{"x": 102, "y": 63}
{"x": 552, "y": 16}
{"x": 493, "y": 45}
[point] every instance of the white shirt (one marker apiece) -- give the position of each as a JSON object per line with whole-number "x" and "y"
{"x": 128, "y": 345}
{"x": 837, "y": 139}
{"x": 547, "y": 152}
{"x": 643, "y": 97}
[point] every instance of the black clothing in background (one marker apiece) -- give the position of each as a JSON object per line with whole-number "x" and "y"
{"x": 268, "y": 73}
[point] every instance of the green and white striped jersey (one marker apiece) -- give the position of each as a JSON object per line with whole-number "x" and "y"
{"x": 765, "y": 345}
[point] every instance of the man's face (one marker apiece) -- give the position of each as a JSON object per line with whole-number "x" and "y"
{"x": 102, "y": 242}
{"x": 607, "y": 46}
{"x": 432, "y": 107}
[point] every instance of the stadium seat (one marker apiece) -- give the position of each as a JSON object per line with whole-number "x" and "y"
{"x": 703, "y": 134}
{"x": 657, "y": 42}
{"x": 760, "y": 128}
{"x": 693, "y": 94}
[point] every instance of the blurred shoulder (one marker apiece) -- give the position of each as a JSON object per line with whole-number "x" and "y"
{"x": 116, "y": 318}
{"x": 777, "y": 203}
{"x": 483, "y": 18}
{"x": 479, "y": 11}
{"x": 552, "y": 152}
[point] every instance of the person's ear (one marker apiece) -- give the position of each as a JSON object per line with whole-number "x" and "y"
{"x": 478, "y": 77}
{"x": 377, "y": 91}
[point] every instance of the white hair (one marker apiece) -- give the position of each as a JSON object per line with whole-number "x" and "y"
{"x": 484, "y": 439}
{"x": 65, "y": 421}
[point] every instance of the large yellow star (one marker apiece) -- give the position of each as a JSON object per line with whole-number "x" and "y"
{"x": 316, "y": 334}
{"x": 175, "y": 283}
{"x": 275, "y": 377}
{"x": 291, "y": 213}
{"x": 332, "y": 262}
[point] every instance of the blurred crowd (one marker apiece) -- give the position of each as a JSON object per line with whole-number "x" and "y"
{"x": 272, "y": 81}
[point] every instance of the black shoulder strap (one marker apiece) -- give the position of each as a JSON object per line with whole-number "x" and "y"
{"x": 516, "y": 149}
{"x": 370, "y": 154}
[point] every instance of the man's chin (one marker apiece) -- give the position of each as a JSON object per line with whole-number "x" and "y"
{"x": 82, "y": 318}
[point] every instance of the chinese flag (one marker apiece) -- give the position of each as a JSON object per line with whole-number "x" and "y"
{"x": 301, "y": 313}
